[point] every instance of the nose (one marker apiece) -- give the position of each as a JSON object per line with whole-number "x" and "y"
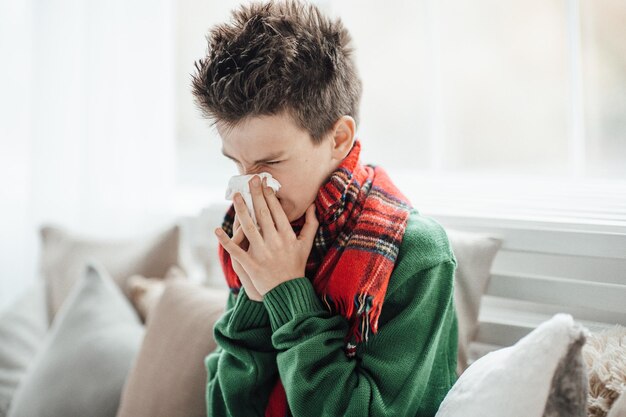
{"x": 244, "y": 170}
{"x": 249, "y": 172}
{"x": 252, "y": 171}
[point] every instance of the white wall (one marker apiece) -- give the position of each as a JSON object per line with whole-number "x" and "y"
{"x": 88, "y": 137}
{"x": 17, "y": 239}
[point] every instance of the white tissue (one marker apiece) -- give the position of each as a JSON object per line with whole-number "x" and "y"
{"x": 239, "y": 184}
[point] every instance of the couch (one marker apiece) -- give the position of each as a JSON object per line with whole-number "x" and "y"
{"x": 121, "y": 328}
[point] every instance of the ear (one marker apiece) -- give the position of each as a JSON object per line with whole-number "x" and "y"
{"x": 343, "y": 137}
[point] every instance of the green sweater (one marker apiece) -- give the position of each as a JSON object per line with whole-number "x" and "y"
{"x": 405, "y": 369}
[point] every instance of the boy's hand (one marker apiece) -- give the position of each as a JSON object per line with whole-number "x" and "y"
{"x": 275, "y": 254}
{"x": 240, "y": 239}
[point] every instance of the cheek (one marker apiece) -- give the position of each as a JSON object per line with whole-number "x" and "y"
{"x": 284, "y": 199}
{"x": 296, "y": 191}
{"x": 288, "y": 203}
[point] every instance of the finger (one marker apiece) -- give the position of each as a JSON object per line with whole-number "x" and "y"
{"x": 247, "y": 224}
{"x": 241, "y": 240}
{"x": 311, "y": 224}
{"x": 278, "y": 214}
{"x": 238, "y": 236}
{"x": 231, "y": 247}
{"x": 236, "y": 227}
{"x": 247, "y": 283}
{"x": 263, "y": 215}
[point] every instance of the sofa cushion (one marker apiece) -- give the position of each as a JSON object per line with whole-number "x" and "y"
{"x": 169, "y": 377}
{"x": 145, "y": 292}
{"x": 475, "y": 253}
{"x": 618, "y": 408}
{"x": 543, "y": 374}
{"x": 63, "y": 256}
{"x": 82, "y": 365}
{"x": 201, "y": 246}
{"x": 23, "y": 327}
{"x": 605, "y": 357}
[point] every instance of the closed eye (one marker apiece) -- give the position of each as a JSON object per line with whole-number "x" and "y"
{"x": 265, "y": 163}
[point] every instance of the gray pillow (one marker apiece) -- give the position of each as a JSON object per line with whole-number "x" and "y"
{"x": 83, "y": 363}
{"x": 23, "y": 327}
{"x": 569, "y": 388}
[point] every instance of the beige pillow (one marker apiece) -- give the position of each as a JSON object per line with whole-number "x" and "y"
{"x": 475, "y": 253}
{"x": 63, "y": 256}
{"x": 145, "y": 293}
{"x": 169, "y": 378}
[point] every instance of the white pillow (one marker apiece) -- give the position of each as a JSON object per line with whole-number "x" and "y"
{"x": 23, "y": 327}
{"x": 475, "y": 253}
{"x": 86, "y": 356}
{"x": 543, "y": 374}
{"x": 201, "y": 246}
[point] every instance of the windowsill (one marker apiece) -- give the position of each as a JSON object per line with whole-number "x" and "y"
{"x": 516, "y": 199}
{"x": 593, "y": 203}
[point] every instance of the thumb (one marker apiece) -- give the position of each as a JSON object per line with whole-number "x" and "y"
{"x": 310, "y": 227}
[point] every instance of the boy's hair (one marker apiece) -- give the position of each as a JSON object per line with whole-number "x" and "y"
{"x": 275, "y": 57}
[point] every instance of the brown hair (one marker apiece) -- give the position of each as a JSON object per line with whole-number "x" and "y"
{"x": 275, "y": 57}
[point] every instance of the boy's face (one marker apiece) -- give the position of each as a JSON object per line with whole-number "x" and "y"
{"x": 275, "y": 144}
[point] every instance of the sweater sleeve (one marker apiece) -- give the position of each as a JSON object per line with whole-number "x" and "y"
{"x": 405, "y": 369}
{"x": 242, "y": 369}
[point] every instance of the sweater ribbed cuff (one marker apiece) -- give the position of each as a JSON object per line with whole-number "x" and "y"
{"x": 290, "y": 298}
{"x": 247, "y": 313}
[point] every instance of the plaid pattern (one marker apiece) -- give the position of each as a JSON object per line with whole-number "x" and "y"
{"x": 362, "y": 219}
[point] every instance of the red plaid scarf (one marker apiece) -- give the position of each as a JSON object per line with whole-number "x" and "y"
{"x": 362, "y": 218}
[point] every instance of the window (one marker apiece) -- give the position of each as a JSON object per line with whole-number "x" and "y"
{"x": 527, "y": 88}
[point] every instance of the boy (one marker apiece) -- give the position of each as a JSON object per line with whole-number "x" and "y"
{"x": 341, "y": 300}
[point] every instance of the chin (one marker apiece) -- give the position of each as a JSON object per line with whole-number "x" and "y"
{"x": 291, "y": 211}
{"x": 291, "y": 217}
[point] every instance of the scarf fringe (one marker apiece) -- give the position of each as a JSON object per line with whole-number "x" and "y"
{"x": 364, "y": 308}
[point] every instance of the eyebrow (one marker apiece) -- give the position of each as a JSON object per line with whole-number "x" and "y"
{"x": 268, "y": 158}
